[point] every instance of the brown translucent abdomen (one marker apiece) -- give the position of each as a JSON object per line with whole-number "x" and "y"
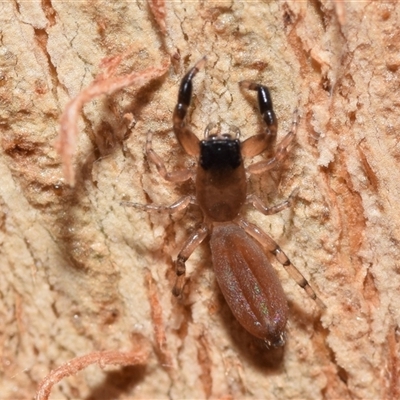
{"x": 249, "y": 283}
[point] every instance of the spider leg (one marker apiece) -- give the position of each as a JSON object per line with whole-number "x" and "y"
{"x": 273, "y": 247}
{"x": 189, "y": 246}
{"x": 280, "y": 153}
{"x": 263, "y": 141}
{"x": 179, "y": 205}
{"x": 259, "y": 205}
{"x": 176, "y": 176}
{"x": 188, "y": 140}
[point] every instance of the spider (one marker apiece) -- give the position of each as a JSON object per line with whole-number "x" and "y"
{"x": 246, "y": 278}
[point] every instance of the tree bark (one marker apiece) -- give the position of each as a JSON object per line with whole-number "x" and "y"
{"x": 80, "y": 273}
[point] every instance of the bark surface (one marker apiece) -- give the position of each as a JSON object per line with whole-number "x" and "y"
{"x": 80, "y": 273}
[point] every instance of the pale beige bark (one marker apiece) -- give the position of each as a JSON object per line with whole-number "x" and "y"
{"x": 75, "y": 264}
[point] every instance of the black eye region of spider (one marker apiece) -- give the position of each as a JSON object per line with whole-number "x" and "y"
{"x": 220, "y": 154}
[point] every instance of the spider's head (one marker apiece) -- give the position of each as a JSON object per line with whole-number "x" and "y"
{"x": 220, "y": 151}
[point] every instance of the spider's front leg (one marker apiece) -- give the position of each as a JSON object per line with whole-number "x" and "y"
{"x": 281, "y": 151}
{"x": 266, "y": 140}
{"x": 263, "y": 141}
{"x": 188, "y": 140}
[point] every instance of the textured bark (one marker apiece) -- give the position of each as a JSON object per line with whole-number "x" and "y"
{"x": 80, "y": 273}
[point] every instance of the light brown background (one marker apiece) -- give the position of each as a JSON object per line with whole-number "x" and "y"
{"x": 73, "y": 262}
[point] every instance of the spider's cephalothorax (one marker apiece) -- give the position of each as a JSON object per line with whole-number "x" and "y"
{"x": 220, "y": 154}
{"x": 220, "y": 163}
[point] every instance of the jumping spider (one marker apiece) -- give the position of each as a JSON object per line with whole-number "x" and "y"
{"x": 246, "y": 278}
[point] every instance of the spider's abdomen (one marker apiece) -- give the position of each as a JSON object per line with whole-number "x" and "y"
{"x": 249, "y": 283}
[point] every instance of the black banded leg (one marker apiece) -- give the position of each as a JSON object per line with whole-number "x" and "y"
{"x": 273, "y": 247}
{"x": 185, "y": 90}
{"x": 265, "y": 141}
{"x": 265, "y": 106}
{"x": 185, "y": 136}
{"x": 190, "y": 245}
